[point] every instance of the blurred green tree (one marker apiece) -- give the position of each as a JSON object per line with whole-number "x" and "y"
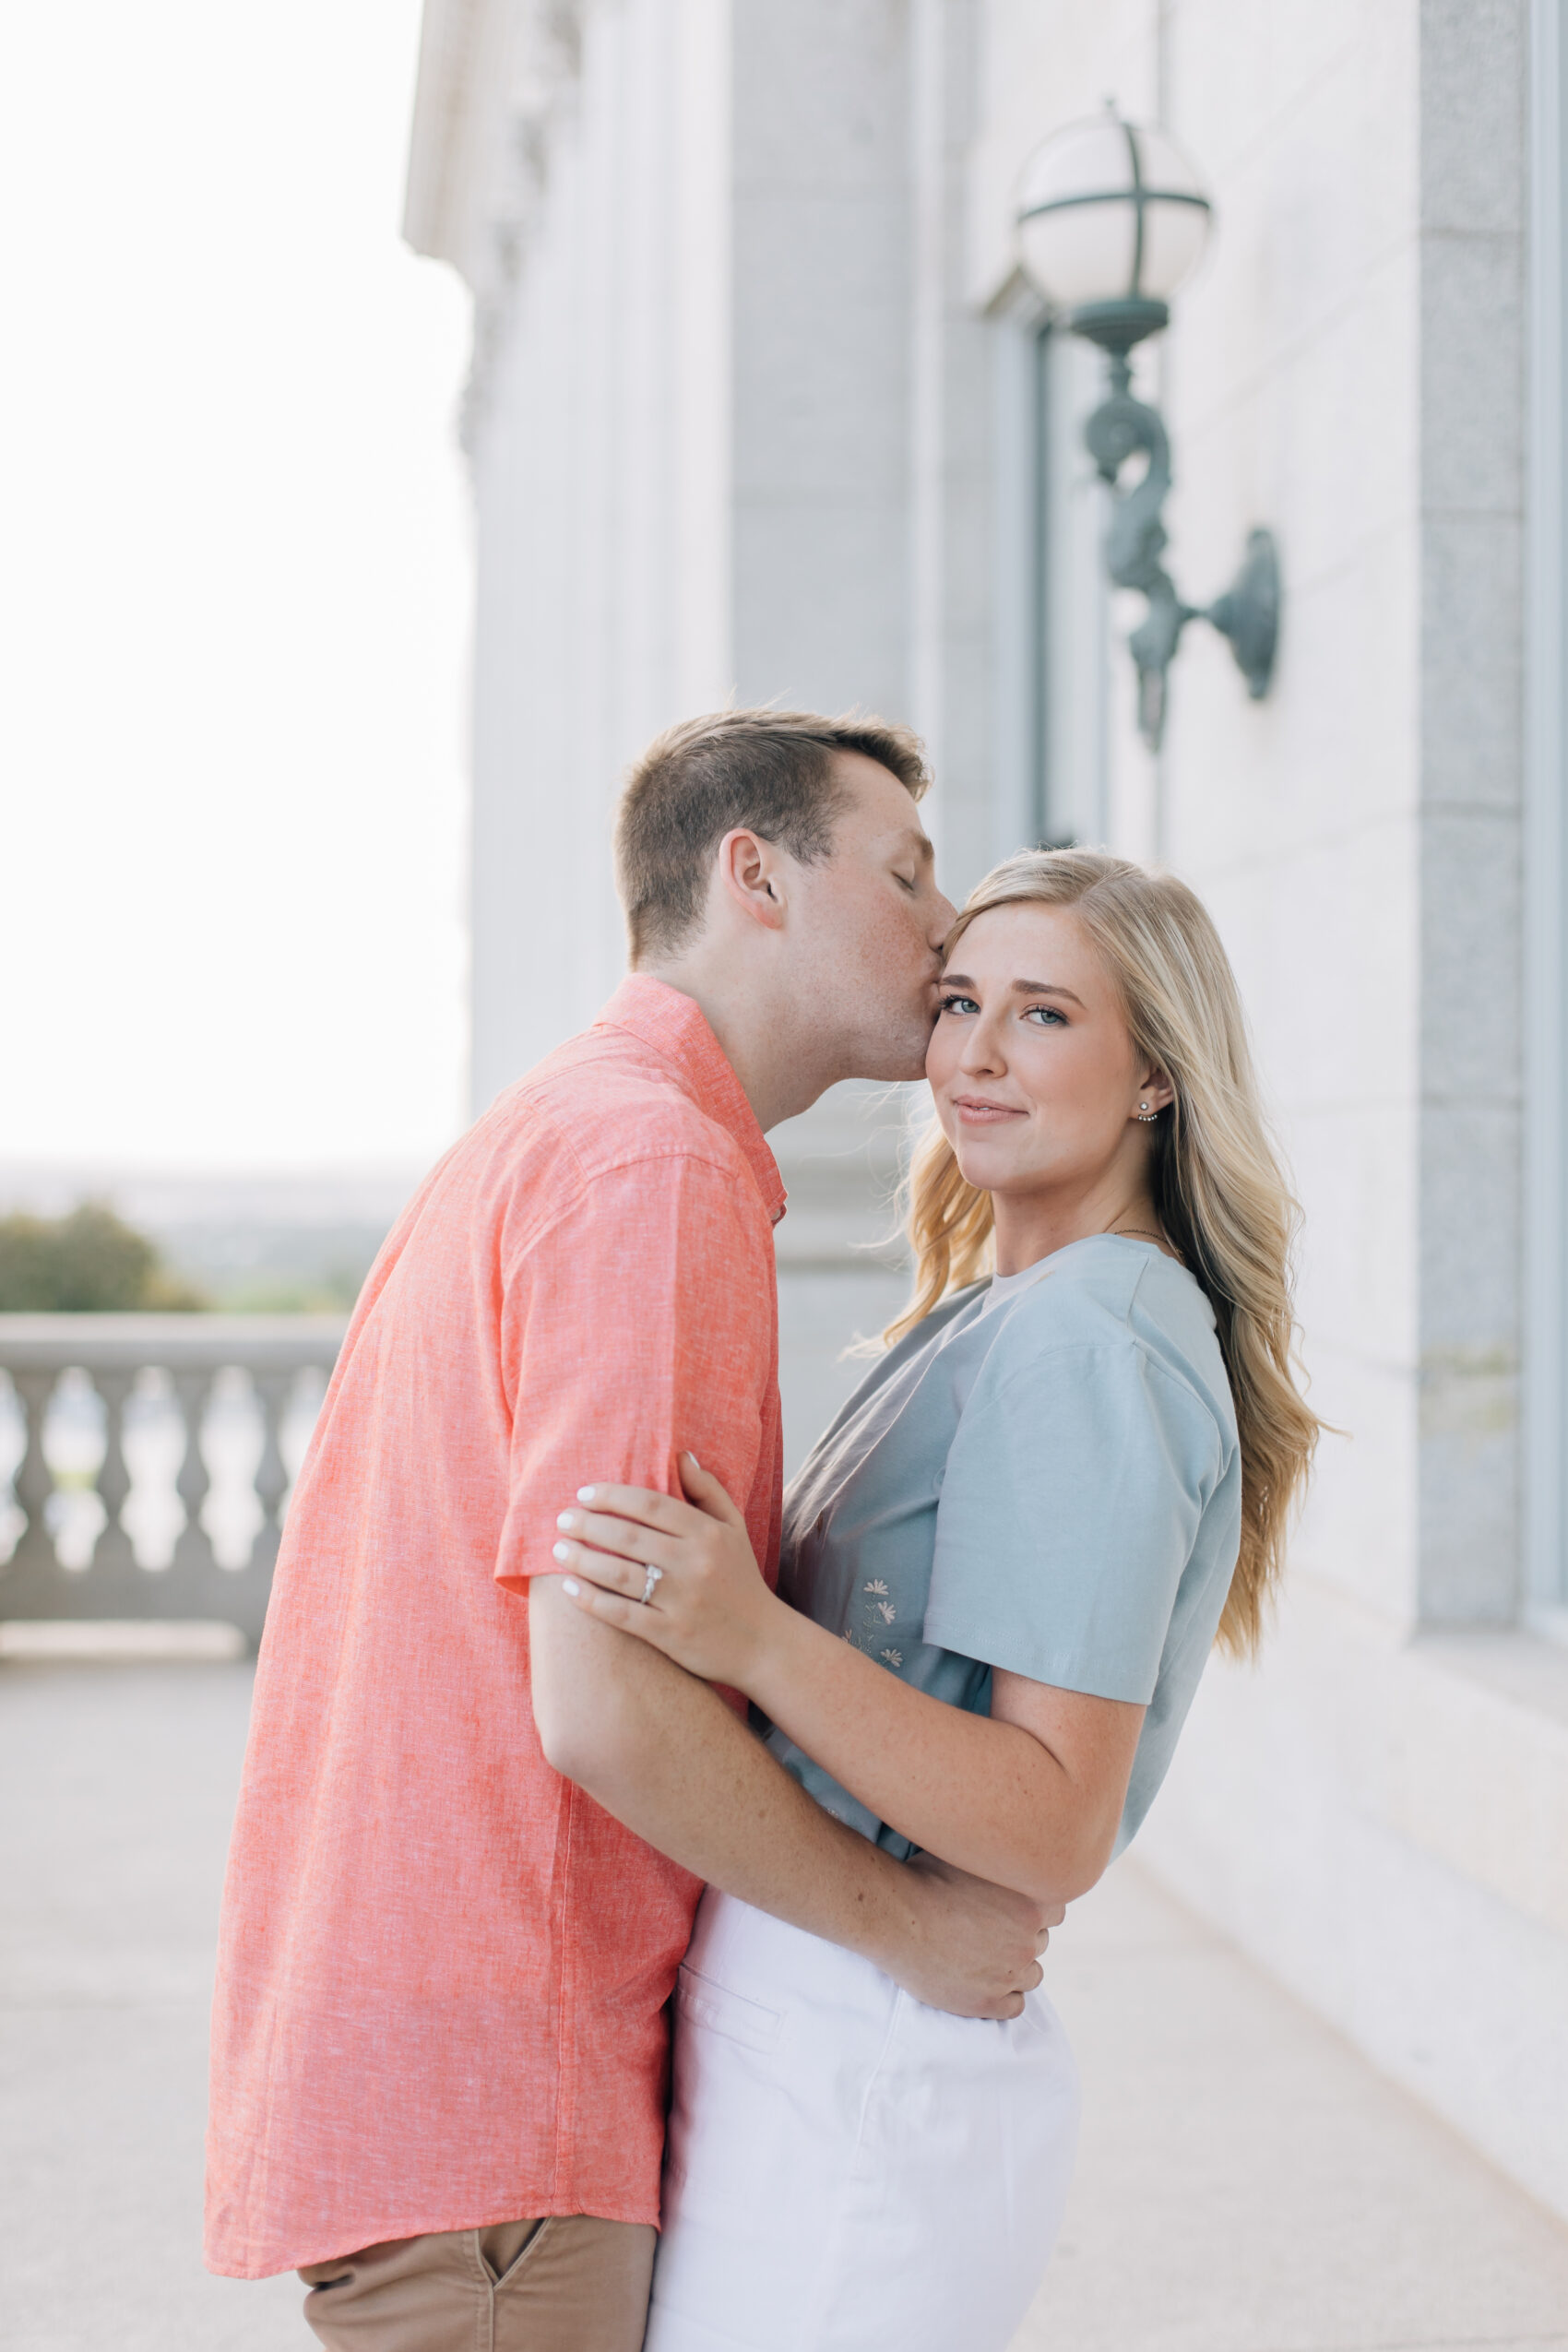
{"x": 87, "y": 1263}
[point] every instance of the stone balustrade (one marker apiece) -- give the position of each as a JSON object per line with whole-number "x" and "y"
{"x": 146, "y": 1459}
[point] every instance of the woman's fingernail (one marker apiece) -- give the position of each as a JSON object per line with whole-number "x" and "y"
{"x": 566, "y": 1519}
{"x": 566, "y": 1552}
{"x": 570, "y": 1585}
{"x": 585, "y": 1494}
{"x": 698, "y": 1464}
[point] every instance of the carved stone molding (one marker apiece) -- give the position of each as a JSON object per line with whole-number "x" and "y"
{"x": 494, "y": 78}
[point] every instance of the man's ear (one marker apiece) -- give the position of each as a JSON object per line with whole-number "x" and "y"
{"x": 752, "y": 874}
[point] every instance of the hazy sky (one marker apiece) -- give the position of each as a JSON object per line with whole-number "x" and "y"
{"x": 233, "y": 593}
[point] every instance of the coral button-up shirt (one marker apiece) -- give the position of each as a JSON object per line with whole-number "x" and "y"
{"x": 443, "y": 1972}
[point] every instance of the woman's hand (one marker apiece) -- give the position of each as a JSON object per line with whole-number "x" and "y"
{"x": 708, "y": 1608}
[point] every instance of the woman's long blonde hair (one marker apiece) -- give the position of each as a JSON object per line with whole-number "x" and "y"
{"x": 1218, "y": 1188}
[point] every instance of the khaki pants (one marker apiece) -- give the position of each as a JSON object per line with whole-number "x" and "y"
{"x": 570, "y": 2284}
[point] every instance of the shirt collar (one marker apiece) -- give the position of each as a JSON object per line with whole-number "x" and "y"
{"x": 675, "y": 1027}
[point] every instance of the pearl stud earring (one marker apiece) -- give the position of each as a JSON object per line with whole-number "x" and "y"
{"x": 1145, "y": 1116}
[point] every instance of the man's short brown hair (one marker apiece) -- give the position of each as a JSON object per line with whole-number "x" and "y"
{"x": 770, "y": 771}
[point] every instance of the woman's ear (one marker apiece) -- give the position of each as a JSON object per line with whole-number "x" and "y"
{"x": 1155, "y": 1092}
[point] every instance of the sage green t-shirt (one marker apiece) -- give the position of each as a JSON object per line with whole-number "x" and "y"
{"x": 1044, "y": 1476}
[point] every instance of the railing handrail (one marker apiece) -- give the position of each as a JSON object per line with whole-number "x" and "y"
{"x": 169, "y": 1342}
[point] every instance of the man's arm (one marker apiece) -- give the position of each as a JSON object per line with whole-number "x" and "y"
{"x": 665, "y": 1755}
{"x": 629, "y": 1330}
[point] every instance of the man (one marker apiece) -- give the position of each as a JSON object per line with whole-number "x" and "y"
{"x": 474, "y": 1824}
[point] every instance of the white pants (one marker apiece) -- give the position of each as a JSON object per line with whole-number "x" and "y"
{"x": 848, "y": 2171}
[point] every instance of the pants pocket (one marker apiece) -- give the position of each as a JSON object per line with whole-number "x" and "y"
{"x": 702, "y": 2001}
{"x": 506, "y": 2245}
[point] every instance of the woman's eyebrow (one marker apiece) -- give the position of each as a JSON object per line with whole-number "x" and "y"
{"x": 1021, "y": 988}
{"x": 1048, "y": 988}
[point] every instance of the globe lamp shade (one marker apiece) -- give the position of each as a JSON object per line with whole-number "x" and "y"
{"x": 1111, "y": 218}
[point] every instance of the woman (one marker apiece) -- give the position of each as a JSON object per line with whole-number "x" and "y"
{"x": 1003, "y": 1566}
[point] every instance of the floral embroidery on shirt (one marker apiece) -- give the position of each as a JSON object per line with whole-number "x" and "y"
{"x": 881, "y": 1615}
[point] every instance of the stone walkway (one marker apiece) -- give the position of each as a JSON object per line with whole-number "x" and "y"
{"x": 1246, "y": 2184}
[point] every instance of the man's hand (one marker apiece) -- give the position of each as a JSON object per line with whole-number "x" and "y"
{"x": 972, "y": 1948}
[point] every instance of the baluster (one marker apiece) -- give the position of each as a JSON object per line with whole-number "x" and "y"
{"x": 273, "y": 1390}
{"x": 193, "y": 1549}
{"x": 112, "y": 1548}
{"x": 35, "y": 1481}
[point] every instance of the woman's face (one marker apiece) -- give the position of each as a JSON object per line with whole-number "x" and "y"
{"x": 1037, "y": 1084}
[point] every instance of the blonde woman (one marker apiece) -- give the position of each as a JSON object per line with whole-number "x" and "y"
{"x": 1004, "y": 1567}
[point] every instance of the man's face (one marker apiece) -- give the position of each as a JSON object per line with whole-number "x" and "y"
{"x": 872, "y": 925}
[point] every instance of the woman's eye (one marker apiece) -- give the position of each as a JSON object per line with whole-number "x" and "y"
{"x": 1047, "y": 1015}
{"x": 959, "y": 1005}
{"x": 906, "y": 881}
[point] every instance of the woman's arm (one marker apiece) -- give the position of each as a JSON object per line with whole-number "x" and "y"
{"x": 1029, "y": 1796}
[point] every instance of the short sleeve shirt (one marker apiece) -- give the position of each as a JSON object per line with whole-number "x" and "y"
{"x": 1047, "y": 1481}
{"x": 443, "y": 1969}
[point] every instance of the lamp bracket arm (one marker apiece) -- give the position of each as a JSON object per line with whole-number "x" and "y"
{"x": 1248, "y": 612}
{"x": 1119, "y": 429}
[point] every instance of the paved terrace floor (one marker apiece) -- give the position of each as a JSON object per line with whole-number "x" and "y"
{"x": 1247, "y": 2184}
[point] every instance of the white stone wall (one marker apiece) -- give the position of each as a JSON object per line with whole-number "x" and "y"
{"x": 599, "y": 430}
{"x": 690, "y": 428}
{"x": 689, "y": 425}
{"x": 820, "y": 356}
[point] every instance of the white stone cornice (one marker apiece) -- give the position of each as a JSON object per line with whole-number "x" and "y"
{"x": 451, "y": 38}
{"x": 491, "y": 74}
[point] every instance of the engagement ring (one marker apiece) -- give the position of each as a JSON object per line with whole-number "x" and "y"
{"x": 651, "y": 1577}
